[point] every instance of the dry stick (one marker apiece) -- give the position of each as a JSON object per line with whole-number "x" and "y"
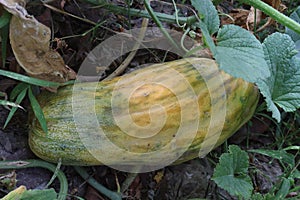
{"x": 76, "y": 17}
{"x": 129, "y": 58}
{"x": 69, "y": 14}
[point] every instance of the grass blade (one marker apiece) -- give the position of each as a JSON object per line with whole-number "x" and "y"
{"x": 17, "y": 89}
{"x": 30, "y": 80}
{"x": 38, "y": 112}
{"x": 9, "y": 103}
{"x": 5, "y": 18}
{"x": 4, "y": 37}
{"x": 19, "y": 99}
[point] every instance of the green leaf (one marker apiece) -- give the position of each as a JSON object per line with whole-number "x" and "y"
{"x": 17, "y": 89}
{"x": 46, "y": 194}
{"x": 295, "y": 16}
{"x": 281, "y": 155}
{"x": 284, "y": 189}
{"x": 5, "y": 18}
{"x": 292, "y": 148}
{"x": 231, "y": 173}
{"x": 297, "y": 44}
{"x": 4, "y": 38}
{"x": 208, "y": 14}
{"x": 29, "y": 80}
{"x": 258, "y": 196}
{"x": 295, "y": 174}
{"x": 19, "y": 99}
{"x": 240, "y": 54}
{"x": 282, "y": 87}
{"x": 38, "y": 112}
{"x": 9, "y": 103}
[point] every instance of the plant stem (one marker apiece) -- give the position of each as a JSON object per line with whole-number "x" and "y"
{"x": 20, "y": 164}
{"x": 142, "y": 13}
{"x": 131, "y": 55}
{"x": 159, "y": 24}
{"x": 274, "y": 14}
{"x": 110, "y": 194}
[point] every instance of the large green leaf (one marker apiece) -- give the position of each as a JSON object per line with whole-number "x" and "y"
{"x": 295, "y": 16}
{"x": 208, "y": 14}
{"x": 231, "y": 173}
{"x": 282, "y": 88}
{"x": 240, "y": 54}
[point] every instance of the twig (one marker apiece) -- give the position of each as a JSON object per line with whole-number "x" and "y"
{"x": 129, "y": 58}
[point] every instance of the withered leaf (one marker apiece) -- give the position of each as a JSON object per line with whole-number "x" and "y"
{"x": 30, "y": 41}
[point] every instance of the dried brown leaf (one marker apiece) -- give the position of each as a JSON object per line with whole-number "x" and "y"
{"x": 30, "y": 41}
{"x": 253, "y": 18}
{"x": 237, "y": 17}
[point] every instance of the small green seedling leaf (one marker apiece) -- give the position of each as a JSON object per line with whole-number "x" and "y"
{"x": 38, "y": 112}
{"x": 231, "y": 173}
{"x": 295, "y": 16}
{"x": 210, "y": 18}
{"x": 19, "y": 99}
{"x": 282, "y": 88}
{"x": 281, "y": 155}
{"x": 240, "y": 54}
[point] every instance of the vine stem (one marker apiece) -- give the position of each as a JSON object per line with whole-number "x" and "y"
{"x": 131, "y": 55}
{"x": 110, "y": 194}
{"x": 159, "y": 24}
{"x": 21, "y": 164}
{"x": 142, "y": 13}
{"x": 274, "y": 14}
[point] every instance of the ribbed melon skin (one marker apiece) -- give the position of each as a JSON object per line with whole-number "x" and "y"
{"x": 63, "y": 141}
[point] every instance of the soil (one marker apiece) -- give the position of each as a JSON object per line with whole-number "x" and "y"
{"x": 184, "y": 181}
